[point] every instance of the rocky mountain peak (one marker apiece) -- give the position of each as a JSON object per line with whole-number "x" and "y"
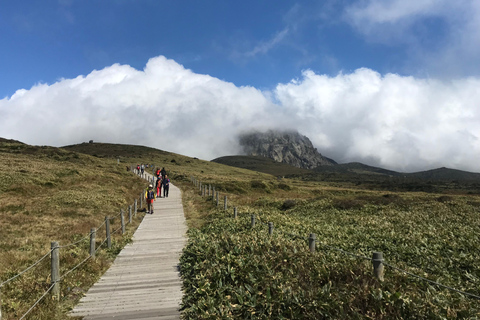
{"x": 284, "y": 146}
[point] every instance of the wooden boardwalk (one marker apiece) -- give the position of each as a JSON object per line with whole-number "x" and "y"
{"x": 144, "y": 281}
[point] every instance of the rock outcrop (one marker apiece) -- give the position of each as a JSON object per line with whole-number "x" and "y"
{"x": 288, "y": 147}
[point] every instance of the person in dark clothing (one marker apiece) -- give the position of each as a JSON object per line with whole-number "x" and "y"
{"x": 166, "y": 185}
{"x": 163, "y": 172}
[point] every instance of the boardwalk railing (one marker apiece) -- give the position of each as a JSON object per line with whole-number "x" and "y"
{"x": 54, "y": 253}
{"x": 377, "y": 258}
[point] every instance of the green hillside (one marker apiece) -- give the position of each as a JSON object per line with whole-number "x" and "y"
{"x": 358, "y": 175}
{"x": 233, "y": 271}
{"x": 50, "y": 194}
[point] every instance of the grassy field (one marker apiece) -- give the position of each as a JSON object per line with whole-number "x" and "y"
{"x": 232, "y": 271}
{"x": 49, "y": 194}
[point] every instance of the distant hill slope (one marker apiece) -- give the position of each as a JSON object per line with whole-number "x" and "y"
{"x": 110, "y": 150}
{"x": 357, "y": 168}
{"x": 366, "y": 177}
{"x": 267, "y": 165}
{"x": 445, "y": 174}
{"x": 3, "y": 140}
{"x": 262, "y": 164}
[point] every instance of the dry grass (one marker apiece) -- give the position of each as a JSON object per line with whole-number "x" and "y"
{"x": 49, "y": 194}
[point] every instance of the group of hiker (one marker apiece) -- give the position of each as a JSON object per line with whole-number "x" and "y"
{"x": 151, "y": 194}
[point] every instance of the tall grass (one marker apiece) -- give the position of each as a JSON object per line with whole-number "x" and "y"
{"x": 234, "y": 272}
{"x": 231, "y": 271}
{"x": 49, "y": 194}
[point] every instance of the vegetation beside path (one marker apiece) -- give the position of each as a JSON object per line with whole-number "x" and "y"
{"x": 233, "y": 272}
{"x": 50, "y": 194}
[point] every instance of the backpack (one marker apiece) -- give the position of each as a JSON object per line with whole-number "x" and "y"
{"x": 150, "y": 195}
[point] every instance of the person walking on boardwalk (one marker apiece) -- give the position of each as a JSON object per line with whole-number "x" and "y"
{"x": 166, "y": 186}
{"x": 143, "y": 168}
{"x": 159, "y": 186}
{"x": 163, "y": 172}
{"x": 150, "y": 197}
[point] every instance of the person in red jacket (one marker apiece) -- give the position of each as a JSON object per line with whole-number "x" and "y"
{"x": 159, "y": 187}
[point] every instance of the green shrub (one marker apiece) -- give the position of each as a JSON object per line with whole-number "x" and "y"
{"x": 288, "y": 204}
{"x": 284, "y": 186}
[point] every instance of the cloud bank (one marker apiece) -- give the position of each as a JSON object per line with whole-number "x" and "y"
{"x": 401, "y": 123}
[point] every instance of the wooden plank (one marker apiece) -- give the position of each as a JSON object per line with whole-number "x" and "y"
{"x": 144, "y": 282}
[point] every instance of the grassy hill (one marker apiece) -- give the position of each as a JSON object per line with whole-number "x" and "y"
{"x": 232, "y": 271}
{"x": 50, "y": 194}
{"x": 262, "y": 164}
{"x": 358, "y": 175}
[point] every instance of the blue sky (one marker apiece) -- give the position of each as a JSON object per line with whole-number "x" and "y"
{"x": 380, "y": 66}
{"x": 257, "y": 43}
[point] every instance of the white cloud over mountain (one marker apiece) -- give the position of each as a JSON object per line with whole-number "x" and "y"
{"x": 397, "y": 122}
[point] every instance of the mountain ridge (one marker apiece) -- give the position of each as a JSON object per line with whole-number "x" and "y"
{"x": 284, "y": 146}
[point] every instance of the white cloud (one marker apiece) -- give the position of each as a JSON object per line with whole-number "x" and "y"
{"x": 266, "y": 46}
{"x": 165, "y": 106}
{"x": 397, "y": 122}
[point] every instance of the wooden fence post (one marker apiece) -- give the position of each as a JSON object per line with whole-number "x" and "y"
{"x": 311, "y": 242}
{"x": 253, "y": 220}
{"x": 209, "y": 190}
{"x": 55, "y": 270}
{"x": 235, "y": 213}
{"x": 200, "y": 187}
{"x": 107, "y": 232}
{"x": 378, "y": 268}
{"x": 270, "y": 228}
{"x": 141, "y": 200}
{"x": 218, "y": 196}
{"x": 93, "y": 232}
{"x": 130, "y": 214}
{"x": 213, "y": 195}
{"x": 122, "y": 220}
{"x": 225, "y": 203}
{"x": 0, "y": 303}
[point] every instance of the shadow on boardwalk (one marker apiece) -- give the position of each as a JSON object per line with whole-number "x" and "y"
{"x": 144, "y": 281}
